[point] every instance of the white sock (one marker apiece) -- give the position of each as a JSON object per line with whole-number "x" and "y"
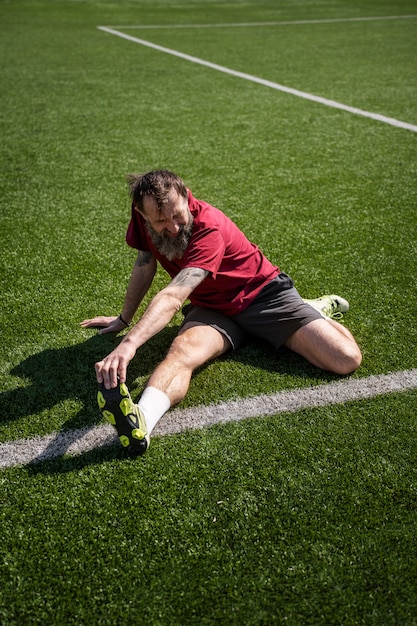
{"x": 153, "y": 403}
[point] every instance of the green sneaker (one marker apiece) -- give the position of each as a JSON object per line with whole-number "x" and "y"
{"x": 118, "y": 408}
{"x": 331, "y": 307}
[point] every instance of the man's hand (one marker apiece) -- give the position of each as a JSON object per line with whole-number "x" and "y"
{"x": 112, "y": 369}
{"x": 107, "y": 324}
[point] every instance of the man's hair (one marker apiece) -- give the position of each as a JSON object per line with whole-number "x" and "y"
{"x": 157, "y": 184}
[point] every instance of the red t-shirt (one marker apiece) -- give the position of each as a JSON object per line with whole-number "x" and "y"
{"x": 237, "y": 268}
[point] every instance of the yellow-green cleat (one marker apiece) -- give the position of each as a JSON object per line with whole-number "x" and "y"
{"x": 331, "y": 307}
{"x": 118, "y": 408}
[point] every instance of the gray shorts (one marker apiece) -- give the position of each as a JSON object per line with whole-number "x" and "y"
{"x": 275, "y": 314}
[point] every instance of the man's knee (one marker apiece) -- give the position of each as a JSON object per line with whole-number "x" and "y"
{"x": 181, "y": 349}
{"x": 349, "y": 360}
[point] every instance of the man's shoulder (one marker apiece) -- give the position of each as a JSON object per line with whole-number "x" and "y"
{"x": 205, "y": 214}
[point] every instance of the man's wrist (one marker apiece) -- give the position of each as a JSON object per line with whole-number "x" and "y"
{"x": 124, "y": 322}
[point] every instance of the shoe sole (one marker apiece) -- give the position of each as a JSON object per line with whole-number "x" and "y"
{"x": 119, "y": 410}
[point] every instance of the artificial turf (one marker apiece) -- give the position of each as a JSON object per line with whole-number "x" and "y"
{"x": 298, "y": 519}
{"x": 305, "y": 518}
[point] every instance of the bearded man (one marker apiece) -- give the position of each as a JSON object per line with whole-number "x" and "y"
{"x": 235, "y": 292}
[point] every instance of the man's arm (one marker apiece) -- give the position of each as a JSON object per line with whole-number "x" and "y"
{"x": 159, "y": 313}
{"x": 140, "y": 280}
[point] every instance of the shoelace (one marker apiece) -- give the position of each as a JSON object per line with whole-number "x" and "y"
{"x": 334, "y": 315}
{"x": 337, "y": 315}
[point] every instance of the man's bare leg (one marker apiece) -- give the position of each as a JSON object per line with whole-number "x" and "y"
{"x": 194, "y": 345}
{"x": 328, "y": 345}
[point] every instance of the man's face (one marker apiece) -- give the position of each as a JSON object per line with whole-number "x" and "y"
{"x": 169, "y": 228}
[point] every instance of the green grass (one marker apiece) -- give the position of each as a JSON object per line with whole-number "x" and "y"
{"x": 314, "y": 511}
{"x": 305, "y": 519}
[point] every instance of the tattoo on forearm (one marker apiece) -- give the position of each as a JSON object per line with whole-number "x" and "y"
{"x": 190, "y": 277}
{"x": 143, "y": 258}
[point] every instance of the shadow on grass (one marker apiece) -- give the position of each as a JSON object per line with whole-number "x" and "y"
{"x": 282, "y": 362}
{"x": 74, "y": 463}
{"x": 61, "y": 374}
{"x": 68, "y": 374}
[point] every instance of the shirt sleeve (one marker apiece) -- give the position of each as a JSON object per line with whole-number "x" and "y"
{"x": 136, "y": 234}
{"x": 205, "y": 251}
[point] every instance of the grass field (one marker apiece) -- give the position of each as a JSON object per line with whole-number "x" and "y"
{"x": 299, "y": 518}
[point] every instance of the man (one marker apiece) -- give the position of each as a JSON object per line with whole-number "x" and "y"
{"x": 234, "y": 291}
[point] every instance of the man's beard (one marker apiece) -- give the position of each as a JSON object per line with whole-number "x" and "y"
{"x": 172, "y": 247}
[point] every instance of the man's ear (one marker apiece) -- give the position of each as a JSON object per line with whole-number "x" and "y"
{"x": 142, "y": 213}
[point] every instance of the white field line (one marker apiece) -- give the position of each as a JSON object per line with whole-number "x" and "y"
{"x": 262, "y": 81}
{"x": 335, "y": 20}
{"x": 74, "y": 442}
